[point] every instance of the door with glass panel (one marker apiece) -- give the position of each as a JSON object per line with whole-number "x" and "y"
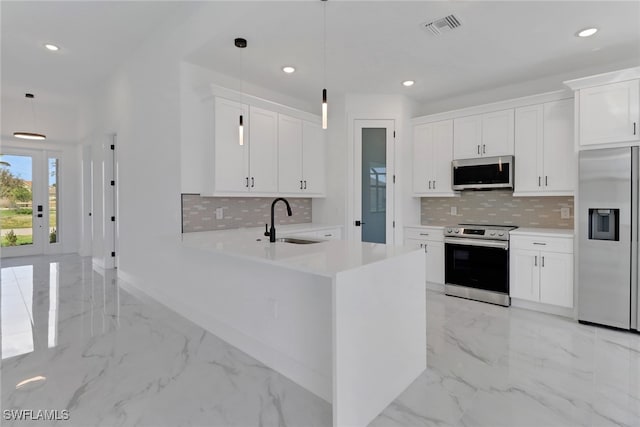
{"x": 29, "y": 194}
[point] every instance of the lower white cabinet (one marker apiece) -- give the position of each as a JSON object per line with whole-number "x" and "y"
{"x": 541, "y": 269}
{"x": 431, "y": 239}
{"x": 323, "y": 234}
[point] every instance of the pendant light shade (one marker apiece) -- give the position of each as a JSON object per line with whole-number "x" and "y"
{"x": 324, "y": 54}
{"x": 27, "y": 134}
{"x": 324, "y": 108}
{"x": 240, "y": 43}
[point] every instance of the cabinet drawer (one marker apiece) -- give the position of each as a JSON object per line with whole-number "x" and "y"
{"x": 330, "y": 234}
{"x": 547, "y": 244}
{"x": 435, "y": 234}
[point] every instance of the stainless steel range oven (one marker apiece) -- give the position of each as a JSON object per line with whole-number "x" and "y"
{"x": 477, "y": 262}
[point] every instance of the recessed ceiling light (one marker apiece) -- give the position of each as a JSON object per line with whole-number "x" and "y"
{"x": 288, "y": 69}
{"x": 52, "y": 47}
{"x": 587, "y": 32}
{"x": 408, "y": 83}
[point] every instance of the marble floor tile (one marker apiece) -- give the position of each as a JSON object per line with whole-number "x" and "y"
{"x": 113, "y": 358}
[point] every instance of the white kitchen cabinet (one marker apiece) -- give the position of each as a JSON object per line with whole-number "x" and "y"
{"x": 231, "y": 160}
{"x": 301, "y": 157}
{"x": 490, "y": 134}
{"x": 431, "y": 240}
{"x": 544, "y": 149}
{"x": 313, "y": 159}
{"x": 322, "y": 234}
{"x": 263, "y": 151}
{"x": 541, "y": 269}
{"x": 247, "y": 168}
{"x": 432, "y": 156}
{"x": 610, "y": 113}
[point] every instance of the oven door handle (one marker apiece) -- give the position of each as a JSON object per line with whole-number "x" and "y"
{"x": 476, "y": 242}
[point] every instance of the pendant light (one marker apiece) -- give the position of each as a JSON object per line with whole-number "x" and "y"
{"x": 324, "y": 49}
{"x": 30, "y": 135}
{"x": 241, "y": 44}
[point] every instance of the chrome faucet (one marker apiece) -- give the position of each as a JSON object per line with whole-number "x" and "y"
{"x": 272, "y": 232}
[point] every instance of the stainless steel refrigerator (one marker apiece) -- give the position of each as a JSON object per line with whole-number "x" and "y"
{"x": 608, "y": 225}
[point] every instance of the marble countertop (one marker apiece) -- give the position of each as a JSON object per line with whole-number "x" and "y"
{"x": 546, "y": 232}
{"x": 326, "y": 258}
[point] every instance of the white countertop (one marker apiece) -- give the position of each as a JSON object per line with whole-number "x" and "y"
{"x": 326, "y": 258}
{"x": 539, "y": 232}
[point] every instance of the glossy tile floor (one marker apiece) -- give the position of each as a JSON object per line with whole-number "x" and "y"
{"x": 112, "y": 358}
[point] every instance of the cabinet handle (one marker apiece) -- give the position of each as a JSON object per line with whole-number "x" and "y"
{"x": 424, "y": 234}
{"x": 634, "y": 128}
{"x": 434, "y": 185}
{"x": 305, "y": 184}
{"x": 429, "y": 184}
{"x": 478, "y": 149}
{"x": 253, "y": 182}
{"x": 301, "y": 184}
{"x": 484, "y": 149}
{"x": 425, "y": 249}
{"x": 539, "y": 180}
{"x": 247, "y": 182}
{"x": 543, "y": 261}
{"x": 328, "y": 235}
{"x": 546, "y": 183}
{"x": 539, "y": 243}
{"x": 535, "y": 261}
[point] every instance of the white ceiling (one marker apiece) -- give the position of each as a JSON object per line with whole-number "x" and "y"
{"x": 371, "y": 45}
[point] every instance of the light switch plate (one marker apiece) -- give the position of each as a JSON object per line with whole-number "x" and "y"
{"x": 219, "y": 213}
{"x": 454, "y": 210}
{"x": 565, "y": 213}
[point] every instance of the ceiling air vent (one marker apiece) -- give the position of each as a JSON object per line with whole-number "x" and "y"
{"x": 442, "y": 25}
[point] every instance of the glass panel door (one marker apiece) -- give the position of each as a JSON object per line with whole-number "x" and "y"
{"x": 374, "y": 185}
{"x": 16, "y": 201}
{"x": 52, "y": 197}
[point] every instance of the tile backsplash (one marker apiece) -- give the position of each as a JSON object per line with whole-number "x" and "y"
{"x": 497, "y": 207}
{"x": 199, "y": 213}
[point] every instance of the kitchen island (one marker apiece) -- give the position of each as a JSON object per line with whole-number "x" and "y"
{"x": 345, "y": 320}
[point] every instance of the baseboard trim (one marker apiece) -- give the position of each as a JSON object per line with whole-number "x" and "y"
{"x": 544, "y": 308}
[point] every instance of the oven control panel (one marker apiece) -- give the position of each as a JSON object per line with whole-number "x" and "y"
{"x": 479, "y": 232}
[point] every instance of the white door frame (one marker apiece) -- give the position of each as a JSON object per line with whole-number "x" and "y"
{"x": 39, "y": 190}
{"x": 354, "y": 196}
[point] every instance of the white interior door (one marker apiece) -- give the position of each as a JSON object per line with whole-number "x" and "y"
{"x": 373, "y": 181}
{"x": 29, "y": 212}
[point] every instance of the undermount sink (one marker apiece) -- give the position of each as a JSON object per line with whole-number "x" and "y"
{"x": 297, "y": 241}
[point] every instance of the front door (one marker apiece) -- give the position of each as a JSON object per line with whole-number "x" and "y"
{"x": 374, "y": 181}
{"x": 29, "y": 214}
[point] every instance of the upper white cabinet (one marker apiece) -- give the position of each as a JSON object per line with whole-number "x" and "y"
{"x": 231, "y": 160}
{"x": 252, "y": 166}
{"x": 610, "y": 113}
{"x": 301, "y": 157}
{"x": 432, "y": 155}
{"x": 279, "y": 154}
{"x": 263, "y": 151}
{"x": 545, "y": 159}
{"x": 489, "y": 134}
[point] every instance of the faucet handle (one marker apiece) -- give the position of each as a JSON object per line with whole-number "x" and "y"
{"x": 266, "y": 230}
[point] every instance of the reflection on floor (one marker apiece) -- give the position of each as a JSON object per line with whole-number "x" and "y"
{"x": 112, "y": 358}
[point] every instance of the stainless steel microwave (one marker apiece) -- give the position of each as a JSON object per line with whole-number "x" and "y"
{"x": 482, "y": 174}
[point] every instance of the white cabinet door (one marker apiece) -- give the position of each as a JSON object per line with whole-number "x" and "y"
{"x": 467, "y": 137}
{"x": 529, "y": 135}
{"x": 524, "y": 280}
{"x": 497, "y": 133}
{"x": 289, "y": 154}
{"x": 442, "y": 157}
{"x": 423, "y": 143}
{"x": 263, "y": 150}
{"x": 231, "y": 159}
{"x": 610, "y": 113}
{"x": 435, "y": 262}
{"x": 559, "y": 159}
{"x": 556, "y": 279}
{"x": 313, "y": 159}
